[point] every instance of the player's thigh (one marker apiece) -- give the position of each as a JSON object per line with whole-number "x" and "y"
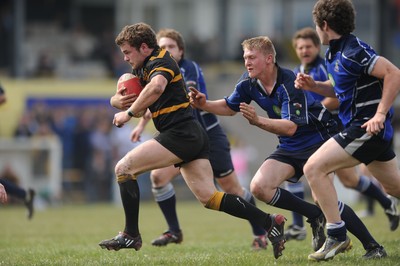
{"x": 162, "y": 176}
{"x": 387, "y": 173}
{"x": 328, "y": 158}
{"x": 271, "y": 174}
{"x": 199, "y": 178}
{"x": 145, "y": 157}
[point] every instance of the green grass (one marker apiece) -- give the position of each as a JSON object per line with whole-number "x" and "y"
{"x": 69, "y": 235}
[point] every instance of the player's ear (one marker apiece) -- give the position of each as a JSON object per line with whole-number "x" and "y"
{"x": 324, "y": 25}
{"x": 143, "y": 47}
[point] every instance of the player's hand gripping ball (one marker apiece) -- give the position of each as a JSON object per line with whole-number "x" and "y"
{"x": 131, "y": 83}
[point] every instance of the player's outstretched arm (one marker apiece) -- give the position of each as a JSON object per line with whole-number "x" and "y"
{"x": 219, "y": 107}
{"x": 306, "y": 82}
{"x": 282, "y": 127}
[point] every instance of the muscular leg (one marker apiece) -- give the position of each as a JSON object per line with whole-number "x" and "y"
{"x": 328, "y": 158}
{"x": 388, "y": 174}
{"x": 129, "y": 167}
{"x": 265, "y": 187}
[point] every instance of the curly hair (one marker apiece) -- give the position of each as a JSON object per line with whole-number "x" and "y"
{"x": 338, "y": 14}
{"x": 174, "y": 35}
{"x": 306, "y": 33}
{"x": 137, "y": 34}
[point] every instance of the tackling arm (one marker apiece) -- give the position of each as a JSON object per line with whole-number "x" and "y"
{"x": 306, "y": 82}
{"x": 281, "y": 127}
{"x": 219, "y": 107}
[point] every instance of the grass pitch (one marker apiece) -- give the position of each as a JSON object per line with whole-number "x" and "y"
{"x": 69, "y": 235}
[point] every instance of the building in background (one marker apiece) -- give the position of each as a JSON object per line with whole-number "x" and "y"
{"x": 74, "y": 38}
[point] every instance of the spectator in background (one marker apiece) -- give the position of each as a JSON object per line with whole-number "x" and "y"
{"x": 3, "y": 194}
{"x": 45, "y": 66}
{"x": 101, "y": 176}
{"x": 9, "y": 180}
{"x": 25, "y": 126}
{"x": 82, "y": 43}
{"x": 104, "y": 50}
{"x": 2, "y": 95}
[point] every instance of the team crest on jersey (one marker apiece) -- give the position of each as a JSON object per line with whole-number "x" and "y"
{"x": 297, "y": 106}
{"x": 336, "y": 68}
{"x": 277, "y": 110}
{"x": 331, "y": 79}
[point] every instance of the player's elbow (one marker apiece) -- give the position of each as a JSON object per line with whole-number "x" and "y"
{"x": 291, "y": 130}
{"x": 231, "y": 113}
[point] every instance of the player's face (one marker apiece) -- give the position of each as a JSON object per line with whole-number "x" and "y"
{"x": 306, "y": 50}
{"x": 323, "y": 36}
{"x": 172, "y": 47}
{"x": 255, "y": 62}
{"x": 133, "y": 56}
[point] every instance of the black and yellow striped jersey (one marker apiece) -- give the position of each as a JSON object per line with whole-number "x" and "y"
{"x": 173, "y": 105}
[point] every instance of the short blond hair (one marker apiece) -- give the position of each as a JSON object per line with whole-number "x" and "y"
{"x": 260, "y": 43}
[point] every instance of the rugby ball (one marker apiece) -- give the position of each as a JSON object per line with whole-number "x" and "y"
{"x": 131, "y": 83}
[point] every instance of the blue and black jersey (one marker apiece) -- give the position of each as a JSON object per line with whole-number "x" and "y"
{"x": 314, "y": 121}
{"x": 349, "y": 63}
{"x": 173, "y": 105}
{"x": 193, "y": 76}
{"x": 317, "y": 71}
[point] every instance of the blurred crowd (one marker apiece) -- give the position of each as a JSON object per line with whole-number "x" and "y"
{"x": 90, "y": 144}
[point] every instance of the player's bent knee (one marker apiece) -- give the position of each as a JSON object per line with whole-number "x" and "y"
{"x": 257, "y": 191}
{"x": 309, "y": 171}
{"x": 125, "y": 177}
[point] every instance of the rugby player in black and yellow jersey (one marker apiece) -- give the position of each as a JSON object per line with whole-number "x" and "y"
{"x": 181, "y": 142}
